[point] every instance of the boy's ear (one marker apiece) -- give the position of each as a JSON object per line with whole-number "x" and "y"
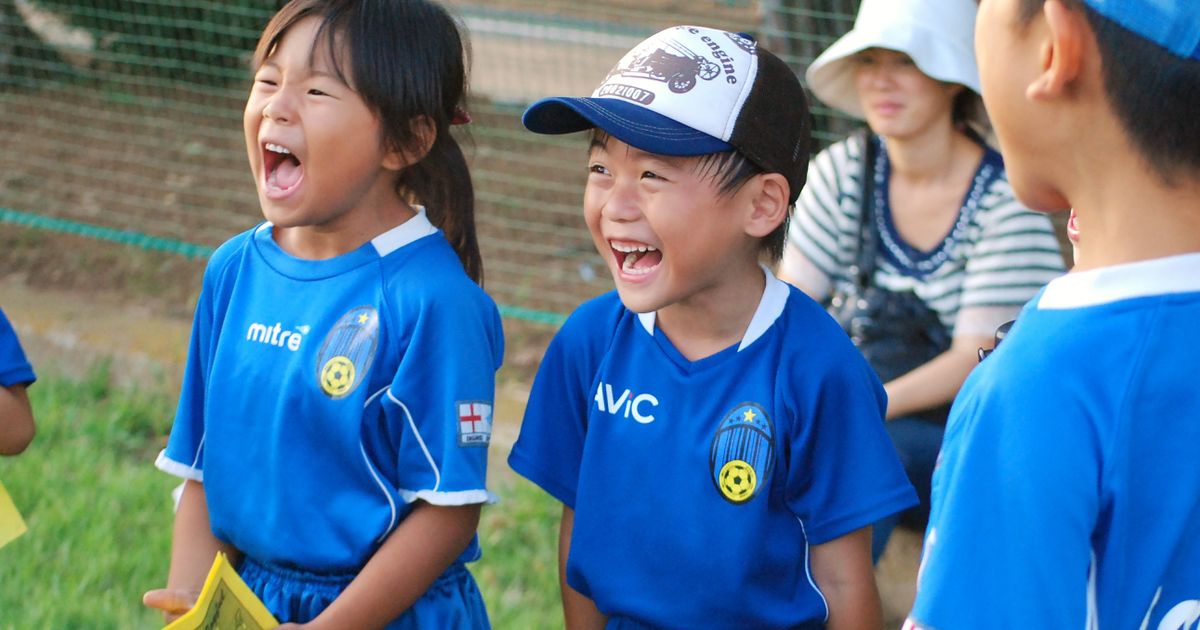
{"x": 768, "y": 204}
{"x": 1061, "y": 55}
{"x": 424, "y": 133}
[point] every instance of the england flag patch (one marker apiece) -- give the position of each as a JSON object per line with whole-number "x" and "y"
{"x": 474, "y": 423}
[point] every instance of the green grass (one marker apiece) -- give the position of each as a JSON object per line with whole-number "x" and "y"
{"x": 99, "y": 517}
{"x": 97, "y": 510}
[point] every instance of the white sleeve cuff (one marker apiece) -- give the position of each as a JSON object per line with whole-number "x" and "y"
{"x": 172, "y": 467}
{"x": 462, "y": 497}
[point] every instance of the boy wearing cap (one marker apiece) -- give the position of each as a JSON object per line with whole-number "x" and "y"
{"x": 1068, "y": 492}
{"x": 716, "y": 441}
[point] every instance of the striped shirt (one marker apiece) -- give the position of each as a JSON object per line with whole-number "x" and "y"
{"x": 994, "y": 259}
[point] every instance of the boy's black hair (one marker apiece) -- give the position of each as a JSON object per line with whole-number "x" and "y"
{"x": 406, "y": 59}
{"x": 729, "y": 170}
{"x": 1153, "y": 92}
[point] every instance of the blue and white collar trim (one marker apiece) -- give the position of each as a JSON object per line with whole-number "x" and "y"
{"x": 770, "y": 307}
{"x": 411, "y": 230}
{"x": 1149, "y": 278}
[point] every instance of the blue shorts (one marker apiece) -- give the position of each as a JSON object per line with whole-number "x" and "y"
{"x": 297, "y": 596}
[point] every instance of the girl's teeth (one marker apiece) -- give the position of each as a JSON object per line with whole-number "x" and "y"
{"x": 278, "y": 149}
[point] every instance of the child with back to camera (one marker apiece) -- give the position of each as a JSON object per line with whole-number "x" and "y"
{"x": 336, "y": 408}
{"x": 16, "y": 375}
{"x": 716, "y": 441}
{"x": 1068, "y": 491}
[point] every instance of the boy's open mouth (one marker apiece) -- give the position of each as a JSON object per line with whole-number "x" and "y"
{"x": 635, "y": 258}
{"x": 282, "y": 167}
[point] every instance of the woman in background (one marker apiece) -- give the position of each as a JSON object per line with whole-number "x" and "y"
{"x": 909, "y": 231}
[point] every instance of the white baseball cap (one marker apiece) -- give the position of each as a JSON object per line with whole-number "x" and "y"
{"x": 939, "y": 36}
{"x": 692, "y": 90}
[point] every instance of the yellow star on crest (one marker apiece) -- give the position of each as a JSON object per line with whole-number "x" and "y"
{"x": 749, "y": 415}
{"x": 363, "y": 318}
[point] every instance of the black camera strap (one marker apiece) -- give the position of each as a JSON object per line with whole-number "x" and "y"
{"x": 863, "y": 271}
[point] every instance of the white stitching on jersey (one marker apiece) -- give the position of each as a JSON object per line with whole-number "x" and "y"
{"x": 372, "y": 397}
{"x": 808, "y": 571}
{"x": 437, "y": 474}
{"x": 199, "y": 449}
{"x": 379, "y": 482}
{"x": 1153, "y": 602}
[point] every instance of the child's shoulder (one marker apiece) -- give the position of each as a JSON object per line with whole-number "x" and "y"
{"x": 595, "y": 319}
{"x": 233, "y": 247}
{"x": 428, "y": 268}
{"x": 811, "y": 343}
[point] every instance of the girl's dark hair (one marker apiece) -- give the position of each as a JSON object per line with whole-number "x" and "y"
{"x": 407, "y": 60}
{"x": 1152, "y": 92}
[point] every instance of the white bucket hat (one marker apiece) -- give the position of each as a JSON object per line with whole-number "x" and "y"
{"x": 939, "y": 36}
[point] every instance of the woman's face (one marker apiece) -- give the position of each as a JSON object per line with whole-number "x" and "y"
{"x": 900, "y": 101}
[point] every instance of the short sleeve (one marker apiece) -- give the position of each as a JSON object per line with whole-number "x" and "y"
{"x": 549, "y": 449}
{"x": 442, "y": 397}
{"x": 843, "y": 472}
{"x": 15, "y": 368}
{"x": 184, "y": 454}
{"x": 1013, "y": 256}
{"x": 817, "y": 245}
{"x": 1015, "y": 499}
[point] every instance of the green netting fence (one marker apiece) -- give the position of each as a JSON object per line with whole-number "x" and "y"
{"x": 120, "y": 120}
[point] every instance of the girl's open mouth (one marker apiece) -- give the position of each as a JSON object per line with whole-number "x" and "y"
{"x": 635, "y": 259}
{"x": 282, "y": 170}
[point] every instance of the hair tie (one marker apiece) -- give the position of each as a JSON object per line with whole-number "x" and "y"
{"x": 460, "y": 117}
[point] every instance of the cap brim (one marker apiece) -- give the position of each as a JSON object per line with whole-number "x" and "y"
{"x": 628, "y": 122}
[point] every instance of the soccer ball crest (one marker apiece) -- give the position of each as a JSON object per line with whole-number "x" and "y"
{"x": 347, "y": 352}
{"x": 743, "y": 453}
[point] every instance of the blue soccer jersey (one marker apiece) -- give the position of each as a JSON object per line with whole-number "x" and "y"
{"x": 322, "y": 398}
{"x": 699, "y": 486}
{"x": 1068, "y": 490}
{"x": 14, "y": 367}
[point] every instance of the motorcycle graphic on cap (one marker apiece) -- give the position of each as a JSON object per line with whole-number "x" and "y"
{"x": 678, "y": 69}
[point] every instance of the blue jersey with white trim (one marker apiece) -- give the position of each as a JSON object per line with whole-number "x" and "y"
{"x": 699, "y": 486}
{"x": 1068, "y": 490}
{"x": 322, "y": 398}
{"x": 14, "y": 367}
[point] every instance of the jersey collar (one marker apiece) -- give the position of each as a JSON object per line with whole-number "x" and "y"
{"x": 1161, "y": 276}
{"x": 411, "y": 230}
{"x": 770, "y": 307}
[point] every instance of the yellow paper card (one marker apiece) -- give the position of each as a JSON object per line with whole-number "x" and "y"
{"x": 11, "y": 523}
{"x": 225, "y": 602}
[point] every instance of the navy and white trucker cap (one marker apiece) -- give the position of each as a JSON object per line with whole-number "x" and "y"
{"x": 690, "y": 90}
{"x": 1172, "y": 24}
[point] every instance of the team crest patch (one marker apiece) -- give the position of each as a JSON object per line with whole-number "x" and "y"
{"x": 743, "y": 453}
{"x": 347, "y": 352}
{"x": 474, "y": 423}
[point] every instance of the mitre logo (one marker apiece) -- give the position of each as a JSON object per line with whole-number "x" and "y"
{"x": 275, "y": 335}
